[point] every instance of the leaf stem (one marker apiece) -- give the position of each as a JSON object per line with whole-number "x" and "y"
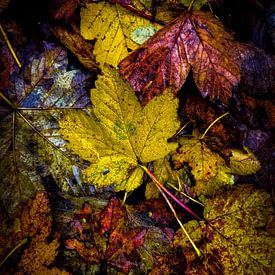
{"x": 191, "y": 5}
{"x": 179, "y": 221}
{"x": 14, "y": 249}
{"x": 217, "y": 119}
{"x": 152, "y": 176}
{"x": 10, "y": 46}
{"x": 139, "y": 12}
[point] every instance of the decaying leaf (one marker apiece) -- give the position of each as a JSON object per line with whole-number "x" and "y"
{"x": 111, "y": 26}
{"x": 209, "y": 169}
{"x": 120, "y": 134}
{"x": 194, "y": 41}
{"x": 29, "y": 137}
{"x": 233, "y": 240}
{"x": 82, "y": 49}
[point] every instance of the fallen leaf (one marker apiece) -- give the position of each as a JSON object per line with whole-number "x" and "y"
{"x": 196, "y": 5}
{"x": 82, "y": 49}
{"x": 194, "y": 41}
{"x": 233, "y": 239}
{"x": 121, "y": 133}
{"x": 111, "y": 26}
{"x": 114, "y": 240}
{"x": 29, "y": 137}
{"x": 255, "y": 64}
{"x": 209, "y": 169}
{"x": 63, "y": 9}
{"x": 244, "y": 162}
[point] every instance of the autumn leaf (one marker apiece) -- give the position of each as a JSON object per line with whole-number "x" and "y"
{"x": 209, "y": 169}
{"x": 194, "y": 41}
{"x": 120, "y": 133}
{"x": 112, "y": 27}
{"x": 113, "y": 238}
{"x": 233, "y": 239}
{"x": 243, "y": 162}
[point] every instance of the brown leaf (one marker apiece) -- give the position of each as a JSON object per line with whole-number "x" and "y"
{"x": 81, "y": 48}
{"x": 37, "y": 257}
{"x": 255, "y": 64}
{"x": 63, "y": 9}
{"x": 194, "y": 41}
{"x": 36, "y": 219}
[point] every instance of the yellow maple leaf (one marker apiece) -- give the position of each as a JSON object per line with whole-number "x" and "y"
{"x": 120, "y": 134}
{"x": 112, "y": 26}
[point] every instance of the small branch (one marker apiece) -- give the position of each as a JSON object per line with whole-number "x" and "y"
{"x": 14, "y": 249}
{"x": 217, "y": 119}
{"x": 179, "y": 221}
{"x": 191, "y": 5}
{"x": 10, "y": 46}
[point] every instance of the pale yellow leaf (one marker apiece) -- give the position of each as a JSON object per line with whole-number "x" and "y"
{"x": 244, "y": 162}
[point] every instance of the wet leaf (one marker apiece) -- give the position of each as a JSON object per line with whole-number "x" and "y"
{"x": 196, "y": 5}
{"x": 121, "y": 133}
{"x": 233, "y": 239}
{"x": 111, "y": 26}
{"x": 194, "y": 41}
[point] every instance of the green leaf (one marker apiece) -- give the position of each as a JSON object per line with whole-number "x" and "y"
{"x": 233, "y": 240}
{"x": 120, "y": 133}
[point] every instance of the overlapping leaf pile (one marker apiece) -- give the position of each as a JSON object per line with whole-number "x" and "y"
{"x": 117, "y": 240}
{"x": 118, "y": 138}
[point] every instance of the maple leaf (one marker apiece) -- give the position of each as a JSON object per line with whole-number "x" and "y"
{"x": 194, "y": 41}
{"x": 121, "y": 133}
{"x": 209, "y": 169}
{"x": 111, "y": 26}
{"x": 232, "y": 240}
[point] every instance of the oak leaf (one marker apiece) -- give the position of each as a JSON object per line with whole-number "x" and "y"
{"x": 111, "y": 26}
{"x": 232, "y": 240}
{"x": 120, "y": 134}
{"x": 194, "y": 41}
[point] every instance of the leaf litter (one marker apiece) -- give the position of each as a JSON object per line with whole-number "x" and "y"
{"x": 113, "y": 142}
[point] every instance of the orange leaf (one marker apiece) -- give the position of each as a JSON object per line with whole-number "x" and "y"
{"x": 194, "y": 41}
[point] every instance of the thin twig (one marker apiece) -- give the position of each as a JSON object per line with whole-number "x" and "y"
{"x": 10, "y": 46}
